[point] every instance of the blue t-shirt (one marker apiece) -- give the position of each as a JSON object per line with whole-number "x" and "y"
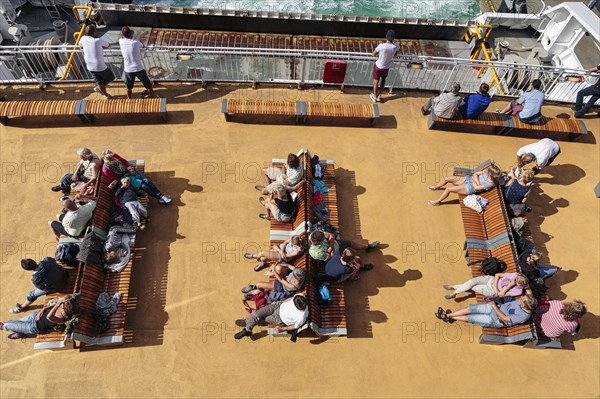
{"x": 513, "y": 310}
{"x": 533, "y": 103}
{"x": 334, "y": 267}
{"x": 475, "y": 105}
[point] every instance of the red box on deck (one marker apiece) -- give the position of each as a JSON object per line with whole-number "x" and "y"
{"x": 335, "y": 71}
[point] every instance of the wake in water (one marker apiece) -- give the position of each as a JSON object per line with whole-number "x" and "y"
{"x": 433, "y": 9}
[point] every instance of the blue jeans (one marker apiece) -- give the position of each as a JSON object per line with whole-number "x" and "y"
{"x": 484, "y": 316}
{"x": 24, "y": 326}
{"x": 546, "y": 271}
{"x": 588, "y": 91}
{"x": 150, "y": 188}
{"x": 36, "y": 293}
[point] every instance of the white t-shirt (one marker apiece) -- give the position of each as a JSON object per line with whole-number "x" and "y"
{"x": 132, "y": 56}
{"x": 543, "y": 151}
{"x": 290, "y": 315}
{"x": 75, "y": 222}
{"x": 93, "y": 54}
{"x": 386, "y": 51}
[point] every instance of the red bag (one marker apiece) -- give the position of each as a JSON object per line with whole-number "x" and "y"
{"x": 260, "y": 301}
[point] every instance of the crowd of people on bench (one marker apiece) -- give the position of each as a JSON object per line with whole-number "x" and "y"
{"x": 72, "y": 223}
{"x": 552, "y": 318}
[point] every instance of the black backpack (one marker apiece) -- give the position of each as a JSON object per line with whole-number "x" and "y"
{"x": 491, "y": 266}
{"x": 67, "y": 254}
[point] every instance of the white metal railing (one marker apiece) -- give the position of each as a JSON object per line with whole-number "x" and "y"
{"x": 303, "y": 67}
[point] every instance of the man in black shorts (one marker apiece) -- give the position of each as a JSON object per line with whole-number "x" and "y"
{"x": 132, "y": 62}
{"x": 93, "y": 54}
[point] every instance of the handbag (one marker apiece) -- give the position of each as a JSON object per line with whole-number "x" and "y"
{"x": 260, "y": 301}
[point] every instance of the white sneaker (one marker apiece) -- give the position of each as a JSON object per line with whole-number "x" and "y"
{"x": 97, "y": 90}
{"x": 498, "y": 111}
{"x": 378, "y": 99}
{"x": 373, "y": 98}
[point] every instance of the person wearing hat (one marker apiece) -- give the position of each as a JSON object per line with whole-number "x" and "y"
{"x": 288, "y": 279}
{"x": 132, "y": 62}
{"x": 385, "y": 53}
{"x": 287, "y": 315}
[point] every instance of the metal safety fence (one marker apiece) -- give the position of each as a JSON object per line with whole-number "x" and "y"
{"x": 46, "y": 64}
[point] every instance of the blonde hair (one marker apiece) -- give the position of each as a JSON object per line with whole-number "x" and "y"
{"x": 527, "y": 175}
{"x": 522, "y": 281}
{"x": 494, "y": 171}
{"x": 348, "y": 255}
{"x": 535, "y": 256}
{"x": 126, "y": 178}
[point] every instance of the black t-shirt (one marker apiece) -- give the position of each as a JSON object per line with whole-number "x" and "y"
{"x": 334, "y": 267}
{"x": 49, "y": 276}
{"x": 286, "y": 207}
{"x": 43, "y": 324}
{"x": 126, "y": 195}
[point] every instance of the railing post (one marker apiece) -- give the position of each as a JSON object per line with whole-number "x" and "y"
{"x": 302, "y": 71}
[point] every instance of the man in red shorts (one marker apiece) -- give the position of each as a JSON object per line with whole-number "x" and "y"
{"x": 386, "y": 52}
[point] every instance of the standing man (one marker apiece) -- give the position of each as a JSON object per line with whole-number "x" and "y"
{"x": 48, "y": 277}
{"x": 93, "y": 55}
{"x": 593, "y": 90}
{"x": 132, "y": 62}
{"x": 386, "y": 52}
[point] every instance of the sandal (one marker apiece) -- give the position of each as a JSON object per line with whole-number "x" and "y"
{"x": 450, "y": 296}
{"x": 15, "y": 336}
{"x": 261, "y": 200}
{"x": 433, "y": 188}
{"x": 248, "y": 288}
{"x": 439, "y": 313}
{"x": 433, "y": 203}
{"x": 356, "y": 277}
{"x": 259, "y": 187}
{"x": 447, "y": 287}
{"x": 248, "y": 255}
{"x": 372, "y": 245}
{"x": 263, "y": 216}
{"x": 260, "y": 266}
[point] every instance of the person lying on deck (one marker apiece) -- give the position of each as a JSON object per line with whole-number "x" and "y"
{"x": 483, "y": 180}
{"x": 499, "y": 285}
{"x": 287, "y": 315}
{"x": 140, "y": 182}
{"x": 286, "y": 252}
{"x": 290, "y": 176}
{"x": 475, "y": 104}
{"x": 55, "y": 313}
{"x": 323, "y": 245}
{"x": 491, "y": 315}
{"x": 280, "y": 204}
{"x": 555, "y": 318}
{"x": 288, "y": 279}
{"x": 128, "y": 199}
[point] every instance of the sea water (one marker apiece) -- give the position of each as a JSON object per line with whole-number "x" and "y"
{"x": 431, "y": 9}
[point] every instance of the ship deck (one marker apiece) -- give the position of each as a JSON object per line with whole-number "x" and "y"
{"x": 185, "y": 294}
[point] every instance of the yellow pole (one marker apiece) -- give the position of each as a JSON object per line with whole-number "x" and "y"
{"x": 77, "y": 36}
{"x": 482, "y": 48}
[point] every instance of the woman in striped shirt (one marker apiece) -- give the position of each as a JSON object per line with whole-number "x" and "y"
{"x": 554, "y": 318}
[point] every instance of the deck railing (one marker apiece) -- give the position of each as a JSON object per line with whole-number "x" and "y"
{"x": 300, "y": 67}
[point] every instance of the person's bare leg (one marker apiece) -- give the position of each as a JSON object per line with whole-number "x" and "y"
{"x": 129, "y": 94}
{"x": 103, "y": 90}
{"x": 381, "y": 87}
{"x": 375, "y": 87}
{"x": 266, "y": 285}
{"x": 445, "y": 180}
{"x": 266, "y": 178}
{"x": 507, "y": 109}
{"x": 460, "y": 312}
{"x": 447, "y": 191}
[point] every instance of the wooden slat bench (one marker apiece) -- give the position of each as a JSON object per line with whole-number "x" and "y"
{"x": 261, "y": 107}
{"x": 91, "y": 108}
{"x": 489, "y": 234}
{"x": 502, "y": 124}
{"x": 342, "y": 110}
{"x": 40, "y": 108}
{"x": 96, "y": 280}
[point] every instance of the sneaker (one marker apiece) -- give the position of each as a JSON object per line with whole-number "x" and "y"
{"x": 17, "y": 309}
{"x": 146, "y": 219}
{"x": 240, "y": 323}
{"x": 165, "y": 199}
{"x": 1, "y": 326}
{"x": 108, "y": 96}
{"x": 248, "y": 288}
{"x": 372, "y": 245}
{"x": 498, "y": 111}
{"x": 97, "y": 90}
{"x": 56, "y": 188}
{"x": 16, "y": 336}
{"x": 378, "y": 99}
{"x": 423, "y": 111}
{"x": 242, "y": 334}
{"x": 373, "y": 98}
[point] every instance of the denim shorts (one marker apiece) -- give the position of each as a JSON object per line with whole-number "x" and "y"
{"x": 469, "y": 184}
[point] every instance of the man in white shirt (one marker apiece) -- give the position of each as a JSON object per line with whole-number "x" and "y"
{"x": 132, "y": 62}
{"x": 543, "y": 153}
{"x": 287, "y": 315}
{"x": 93, "y": 55}
{"x": 86, "y": 171}
{"x": 74, "y": 221}
{"x": 386, "y": 52}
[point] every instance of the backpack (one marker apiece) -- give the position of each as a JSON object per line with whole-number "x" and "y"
{"x": 324, "y": 294}
{"x": 260, "y": 301}
{"x": 67, "y": 254}
{"x": 490, "y": 266}
{"x": 90, "y": 249}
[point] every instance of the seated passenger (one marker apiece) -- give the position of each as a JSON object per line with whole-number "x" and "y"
{"x": 535, "y": 271}
{"x": 446, "y": 104}
{"x": 528, "y": 107}
{"x": 85, "y": 173}
{"x": 288, "y": 279}
{"x": 475, "y": 104}
{"x": 500, "y": 285}
{"x": 483, "y": 180}
{"x": 344, "y": 265}
{"x": 516, "y": 190}
{"x": 55, "y": 313}
{"x": 139, "y": 181}
{"x": 287, "y": 315}
{"x": 286, "y": 252}
{"x": 48, "y": 277}
{"x": 323, "y": 245}
{"x": 129, "y": 199}
{"x": 114, "y": 166}
{"x": 280, "y": 204}
{"x": 289, "y": 176}
{"x": 554, "y": 318}
{"x": 491, "y": 315}
{"x": 74, "y": 219}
